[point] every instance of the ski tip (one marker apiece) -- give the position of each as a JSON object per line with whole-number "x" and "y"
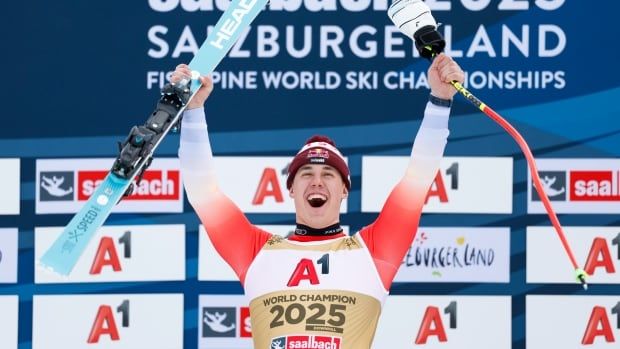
{"x": 49, "y": 270}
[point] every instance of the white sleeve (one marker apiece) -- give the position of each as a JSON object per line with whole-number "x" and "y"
{"x": 196, "y": 157}
{"x": 429, "y": 144}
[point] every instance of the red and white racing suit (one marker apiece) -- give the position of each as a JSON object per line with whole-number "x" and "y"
{"x": 307, "y": 291}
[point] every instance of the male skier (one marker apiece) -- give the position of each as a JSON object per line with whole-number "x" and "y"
{"x": 318, "y": 288}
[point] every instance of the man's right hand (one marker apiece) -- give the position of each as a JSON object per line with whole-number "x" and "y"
{"x": 183, "y": 71}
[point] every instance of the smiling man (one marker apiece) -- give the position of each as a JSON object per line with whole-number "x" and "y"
{"x": 318, "y": 180}
{"x": 317, "y": 288}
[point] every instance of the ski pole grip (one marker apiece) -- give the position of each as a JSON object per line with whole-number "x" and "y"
{"x": 429, "y": 42}
{"x": 414, "y": 19}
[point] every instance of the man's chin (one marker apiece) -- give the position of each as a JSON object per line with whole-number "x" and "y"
{"x": 315, "y": 212}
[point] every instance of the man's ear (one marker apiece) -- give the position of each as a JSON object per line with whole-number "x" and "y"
{"x": 290, "y": 192}
{"x": 345, "y": 192}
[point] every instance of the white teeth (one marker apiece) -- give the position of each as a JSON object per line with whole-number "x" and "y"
{"x": 317, "y": 196}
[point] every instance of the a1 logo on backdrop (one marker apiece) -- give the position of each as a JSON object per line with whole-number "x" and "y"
{"x": 263, "y": 189}
{"x": 107, "y": 254}
{"x": 434, "y": 323}
{"x": 257, "y": 184}
{"x": 444, "y": 182}
{"x": 600, "y": 255}
{"x": 599, "y": 326}
{"x": 461, "y": 184}
{"x": 131, "y": 321}
{"x": 121, "y": 253}
{"x": 451, "y": 322}
{"x": 107, "y": 321}
{"x": 270, "y": 186}
{"x": 597, "y": 250}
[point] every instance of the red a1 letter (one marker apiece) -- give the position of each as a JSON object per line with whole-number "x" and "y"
{"x": 104, "y": 315}
{"x": 106, "y": 248}
{"x": 304, "y": 271}
{"x": 438, "y": 189}
{"x": 599, "y": 256}
{"x": 268, "y": 186}
{"x": 598, "y": 316}
{"x": 431, "y": 326}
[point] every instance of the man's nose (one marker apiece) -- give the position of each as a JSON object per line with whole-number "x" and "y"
{"x": 317, "y": 181}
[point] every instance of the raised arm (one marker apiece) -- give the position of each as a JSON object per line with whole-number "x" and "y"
{"x": 392, "y": 233}
{"x": 234, "y": 237}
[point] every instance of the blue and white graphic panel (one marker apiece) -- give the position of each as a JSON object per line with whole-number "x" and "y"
{"x": 597, "y": 250}
{"x": 108, "y": 321}
{"x": 440, "y": 322}
{"x": 576, "y": 322}
{"x": 121, "y": 253}
{"x": 9, "y": 307}
{"x": 457, "y": 254}
{"x": 9, "y": 186}
{"x": 8, "y": 255}
{"x": 462, "y": 185}
{"x": 224, "y": 322}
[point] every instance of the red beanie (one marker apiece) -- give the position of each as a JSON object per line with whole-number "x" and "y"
{"x": 319, "y": 150}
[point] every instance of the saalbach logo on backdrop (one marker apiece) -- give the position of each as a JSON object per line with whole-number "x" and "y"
{"x": 224, "y": 322}
{"x": 218, "y": 322}
{"x": 63, "y": 185}
{"x": 578, "y": 185}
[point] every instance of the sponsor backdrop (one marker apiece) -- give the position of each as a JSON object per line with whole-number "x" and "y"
{"x": 485, "y": 269}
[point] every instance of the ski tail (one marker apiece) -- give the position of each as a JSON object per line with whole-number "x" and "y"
{"x": 64, "y": 253}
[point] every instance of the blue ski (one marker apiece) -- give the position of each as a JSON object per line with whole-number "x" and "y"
{"x": 137, "y": 150}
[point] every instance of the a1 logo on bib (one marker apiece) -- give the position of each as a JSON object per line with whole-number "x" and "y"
{"x": 306, "y": 271}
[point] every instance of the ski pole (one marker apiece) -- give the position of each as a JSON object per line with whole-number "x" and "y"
{"x": 580, "y": 274}
{"x": 414, "y": 19}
